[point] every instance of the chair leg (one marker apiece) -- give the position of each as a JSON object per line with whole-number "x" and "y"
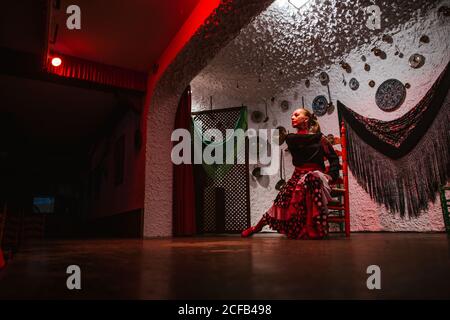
{"x": 347, "y": 224}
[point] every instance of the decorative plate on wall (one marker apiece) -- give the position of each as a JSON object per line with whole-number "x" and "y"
{"x": 284, "y": 105}
{"x": 353, "y": 84}
{"x": 390, "y": 95}
{"x": 424, "y": 39}
{"x": 257, "y": 116}
{"x": 307, "y": 83}
{"x": 320, "y": 105}
{"x": 416, "y": 61}
{"x": 323, "y": 78}
{"x": 256, "y": 172}
{"x": 444, "y": 11}
{"x": 387, "y": 38}
{"x": 346, "y": 67}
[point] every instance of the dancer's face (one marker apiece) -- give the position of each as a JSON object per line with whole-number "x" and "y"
{"x": 299, "y": 119}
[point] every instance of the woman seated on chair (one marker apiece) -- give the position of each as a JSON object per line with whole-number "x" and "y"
{"x": 300, "y": 209}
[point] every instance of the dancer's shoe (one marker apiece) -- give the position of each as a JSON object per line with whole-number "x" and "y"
{"x": 249, "y": 232}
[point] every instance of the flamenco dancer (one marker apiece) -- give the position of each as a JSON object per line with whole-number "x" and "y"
{"x": 300, "y": 209}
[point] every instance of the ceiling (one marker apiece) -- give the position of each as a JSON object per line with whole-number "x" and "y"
{"x": 52, "y": 115}
{"x": 130, "y": 34}
{"x": 282, "y": 46}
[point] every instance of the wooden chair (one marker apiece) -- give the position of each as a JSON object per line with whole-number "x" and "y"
{"x": 339, "y": 207}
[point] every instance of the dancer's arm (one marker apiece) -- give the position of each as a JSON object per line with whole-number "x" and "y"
{"x": 332, "y": 157}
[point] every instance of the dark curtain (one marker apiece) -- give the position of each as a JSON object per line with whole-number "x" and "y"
{"x": 183, "y": 178}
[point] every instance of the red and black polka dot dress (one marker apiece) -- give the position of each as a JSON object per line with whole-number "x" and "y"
{"x": 299, "y": 210}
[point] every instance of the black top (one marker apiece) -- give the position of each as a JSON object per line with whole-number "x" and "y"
{"x": 313, "y": 148}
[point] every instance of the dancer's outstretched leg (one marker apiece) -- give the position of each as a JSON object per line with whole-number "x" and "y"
{"x": 256, "y": 228}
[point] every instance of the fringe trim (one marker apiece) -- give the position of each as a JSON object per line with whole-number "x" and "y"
{"x": 405, "y": 185}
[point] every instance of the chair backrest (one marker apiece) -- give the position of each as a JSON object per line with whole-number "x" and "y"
{"x": 341, "y": 187}
{"x": 345, "y": 165}
{"x": 342, "y": 154}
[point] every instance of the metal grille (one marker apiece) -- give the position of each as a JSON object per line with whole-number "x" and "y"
{"x": 223, "y": 201}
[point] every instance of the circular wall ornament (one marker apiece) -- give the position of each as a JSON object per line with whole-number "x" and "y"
{"x": 416, "y": 61}
{"x": 390, "y": 95}
{"x": 284, "y": 105}
{"x": 387, "y": 38}
{"x": 372, "y": 83}
{"x": 346, "y": 67}
{"x": 444, "y": 11}
{"x": 353, "y": 84}
{"x": 367, "y": 67}
{"x": 424, "y": 39}
{"x": 257, "y": 116}
{"x": 256, "y": 172}
{"x": 323, "y": 78}
{"x": 407, "y": 85}
{"x": 320, "y": 105}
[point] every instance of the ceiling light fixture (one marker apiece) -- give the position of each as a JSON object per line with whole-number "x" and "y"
{"x": 56, "y": 61}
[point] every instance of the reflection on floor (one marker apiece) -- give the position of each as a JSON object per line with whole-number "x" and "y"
{"x": 228, "y": 267}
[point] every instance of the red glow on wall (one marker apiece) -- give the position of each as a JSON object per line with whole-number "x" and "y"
{"x": 200, "y": 14}
{"x": 56, "y": 61}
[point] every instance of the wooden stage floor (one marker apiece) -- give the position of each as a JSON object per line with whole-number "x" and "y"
{"x": 413, "y": 266}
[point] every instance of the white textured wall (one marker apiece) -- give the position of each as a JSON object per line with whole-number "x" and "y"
{"x": 283, "y": 50}
{"x": 219, "y": 29}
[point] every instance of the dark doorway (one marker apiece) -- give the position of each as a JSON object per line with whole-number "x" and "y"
{"x": 222, "y": 191}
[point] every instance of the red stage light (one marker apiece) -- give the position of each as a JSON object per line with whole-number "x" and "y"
{"x": 56, "y": 62}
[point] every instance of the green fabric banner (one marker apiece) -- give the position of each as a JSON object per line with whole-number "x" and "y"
{"x": 218, "y": 170}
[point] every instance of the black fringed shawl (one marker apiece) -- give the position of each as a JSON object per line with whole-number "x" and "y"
{"x": 402, "y": 163}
